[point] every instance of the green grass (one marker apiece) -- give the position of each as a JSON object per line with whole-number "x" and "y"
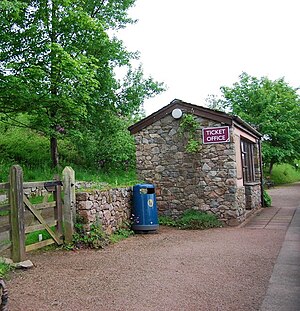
{"x": 113, "y": 178}
{"x": 120, "y": 235}
{"x": 39, "y": 199}
{"x": 284, "y": 174}
{"x": 33, "y": 237}
{"x": 4, "y": 269}
{"x": 192, "y": 219}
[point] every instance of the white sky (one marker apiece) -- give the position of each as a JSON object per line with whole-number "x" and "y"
{"x": 196, "y": 46}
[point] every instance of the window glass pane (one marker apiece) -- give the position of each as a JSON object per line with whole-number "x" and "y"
{"x": 248, "y": 161}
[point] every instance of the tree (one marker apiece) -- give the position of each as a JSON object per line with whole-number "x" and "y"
{"x": 273, "y": 108}
{"x": 57, "y": 65}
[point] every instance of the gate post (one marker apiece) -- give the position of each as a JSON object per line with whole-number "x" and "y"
{"x": 69, "y": 211}
{"x": 17, "y": 214}
{"x": 58, "y": 207}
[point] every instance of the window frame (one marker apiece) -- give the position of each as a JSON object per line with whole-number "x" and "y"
{"x": 247, "y": 159}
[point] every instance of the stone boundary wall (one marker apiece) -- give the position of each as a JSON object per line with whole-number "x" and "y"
{"x": 35, "y": 191}
{"x": 110, "y": 208}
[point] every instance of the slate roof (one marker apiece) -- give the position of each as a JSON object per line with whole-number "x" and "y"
{"x": 218, "y": 116}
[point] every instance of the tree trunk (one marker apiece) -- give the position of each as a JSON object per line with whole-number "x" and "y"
{"x": 54, "y": 151}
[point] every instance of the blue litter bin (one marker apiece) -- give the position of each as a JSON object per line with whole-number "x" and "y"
{"x": 145, "y": 217}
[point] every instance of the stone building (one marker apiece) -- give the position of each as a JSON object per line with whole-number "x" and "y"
{"x": 223, "y": 176}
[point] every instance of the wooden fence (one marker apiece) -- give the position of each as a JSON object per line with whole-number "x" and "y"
{"x": 55, "y": 215}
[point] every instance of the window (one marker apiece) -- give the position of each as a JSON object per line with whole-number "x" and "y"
{"x": 248, "y": 161}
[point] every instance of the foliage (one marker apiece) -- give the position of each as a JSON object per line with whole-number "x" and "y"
{"x": 93, "y": 158}
{"x": 4, "y": 269}
{"x": 33, "y": 237}
{"x": 37, "y": 199}
{"x": 167, "y": 221}
{"x": 29, "y": 148}
{"x": 108, "y": 145}
{"x": 192, "y": 146}
{"x": 267, "y": 199}
{"x": 285, "y": 174}
{"x": 121, "y": 234}
{"x": 192, "y": 219}
{"x": 94, "y": 238}
{"x": 107, "y": 178}
{"x": 273, "y": 108}
{"x": 189, "y": 125}
{"x": 57, "y": 66}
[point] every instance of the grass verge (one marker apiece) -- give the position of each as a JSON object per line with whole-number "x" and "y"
{"x": 33, "y": 237}
{"x": 284, "y": 174}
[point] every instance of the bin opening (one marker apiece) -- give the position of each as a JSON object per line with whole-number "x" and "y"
{"x": 147, "y": 191}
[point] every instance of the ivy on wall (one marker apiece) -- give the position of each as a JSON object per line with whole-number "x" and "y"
{"x": 189, "y": 125}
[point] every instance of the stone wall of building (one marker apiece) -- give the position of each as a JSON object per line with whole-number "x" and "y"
{"x": 111, "y": 208}
{"x": 204, "y": 181}
{"x": 253, "y": 196}
{"x": 240, "y": 205}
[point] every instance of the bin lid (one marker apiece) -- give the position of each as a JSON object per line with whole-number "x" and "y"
{"x": 143, "y": 186}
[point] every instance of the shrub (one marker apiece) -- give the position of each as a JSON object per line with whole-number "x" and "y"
{"x": 120, "y": 234}
{"x": 94, "y": 238}
{"x": 192, "y": 219}
{"x": 167, "y": 221}
{"x": 267, "y": 199}
{"x": 4, "y": 269}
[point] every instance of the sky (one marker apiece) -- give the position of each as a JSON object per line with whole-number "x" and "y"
{"x": 197, "y": 46}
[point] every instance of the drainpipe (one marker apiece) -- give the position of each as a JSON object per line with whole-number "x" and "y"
{"x": 261, "y": 173}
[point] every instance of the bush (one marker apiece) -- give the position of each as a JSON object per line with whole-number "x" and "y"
{"x": 120, "y": 234}
{"x": 167, "y": 221}
{"x": 107, "y": 146}
{"x": 267, "y": 199}
{"x": 4, "y": 269}
{"x": 192, "y": 219}
{"x": 284, "y": 174}
{"x": 96, "y": 237}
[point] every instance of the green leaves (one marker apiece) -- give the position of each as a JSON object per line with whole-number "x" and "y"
{"x": 57, "y": 64}
{"x": 273, "y": 108}
{"x": 189, "y": 125}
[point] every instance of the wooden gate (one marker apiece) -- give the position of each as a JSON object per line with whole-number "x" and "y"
{"x": 28, "y": 216}
{"x": 54, "y": 225}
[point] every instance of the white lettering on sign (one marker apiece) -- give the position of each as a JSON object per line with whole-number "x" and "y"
{"x": 213, "y": 135}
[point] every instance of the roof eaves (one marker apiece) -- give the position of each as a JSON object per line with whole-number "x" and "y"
{"x": 186, "y": 107}
{"x": 246, "y": 125}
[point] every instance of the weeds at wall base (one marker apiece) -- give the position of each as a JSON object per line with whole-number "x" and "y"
{"x": 5, "y": 268}
{"x": 96, "y": 237}
{"x": 192, "y": 219}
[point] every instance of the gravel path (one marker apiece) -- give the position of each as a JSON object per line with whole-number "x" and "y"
{"x": 218, "y": 269}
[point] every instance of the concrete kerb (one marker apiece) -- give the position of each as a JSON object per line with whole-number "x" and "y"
{"x": 283, "y": 293}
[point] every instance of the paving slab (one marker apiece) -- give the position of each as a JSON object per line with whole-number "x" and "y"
{"x": 283, "y": 293}
{"x": 282, "y": 298}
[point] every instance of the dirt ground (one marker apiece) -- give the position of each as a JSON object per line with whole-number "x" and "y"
{"x": 217, "y": 269}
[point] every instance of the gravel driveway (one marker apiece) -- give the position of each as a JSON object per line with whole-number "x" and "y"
{"x": 217, "y": 269}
